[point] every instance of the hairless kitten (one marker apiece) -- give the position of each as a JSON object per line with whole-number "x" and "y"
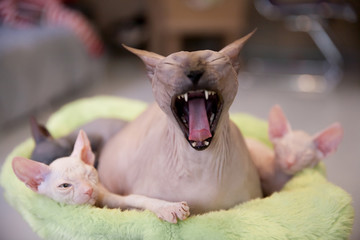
{"x": 293, "y": 151}
{"x": 74, "y": 180}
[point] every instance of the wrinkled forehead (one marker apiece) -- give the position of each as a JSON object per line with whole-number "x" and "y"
{"x": 192, "y": 59}
{"x": 67, "y": 164}
{"x": 298, "y": 139}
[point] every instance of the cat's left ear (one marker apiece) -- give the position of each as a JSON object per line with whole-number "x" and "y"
{"x": 30, "y": 172}
{"x": 279, "y": 126}
{"x": 150, "y": 59}
{"x": 82, "y": 149}
{"x": 39, "y": 132}
{"x": 233, "y": 50}
{"x": 328, "y": 140}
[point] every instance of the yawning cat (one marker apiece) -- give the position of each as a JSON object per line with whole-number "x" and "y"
{"x": 185, "y": 147}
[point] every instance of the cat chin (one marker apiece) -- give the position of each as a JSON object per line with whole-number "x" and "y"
{"x": 291, "y": 171}
{"x": 92, "y": 201}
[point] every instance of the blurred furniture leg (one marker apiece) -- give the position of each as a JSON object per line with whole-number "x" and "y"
{"x": 311, "y": 17}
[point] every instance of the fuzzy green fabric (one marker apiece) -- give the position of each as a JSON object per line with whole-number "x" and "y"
{"x": 309, "y": 207}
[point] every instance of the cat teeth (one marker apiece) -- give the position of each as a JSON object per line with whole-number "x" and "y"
{"x": 185, "y": 96}
{"x": 183, "y": 120}
{"x": 208, "y": 93}
{"x": 212, "y": 117}
{"x": 206, "y": 143}
{"x": 211, "y": 93}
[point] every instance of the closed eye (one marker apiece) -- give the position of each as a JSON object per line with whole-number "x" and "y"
{"x": 215, "y": 59}
{"x": 172, "y": 64}
{"x": 308, "y": 154}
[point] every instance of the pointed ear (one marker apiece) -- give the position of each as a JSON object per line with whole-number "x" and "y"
{"x": 82, "y": 149}
{"x": 150, "y": 59}
{"x": 328, "y": 140}
{"x": 278, "y": 124}
{"x": 233, "y": 50}
{"x": 38, "y": 131}
{"x": 30, "y": 172}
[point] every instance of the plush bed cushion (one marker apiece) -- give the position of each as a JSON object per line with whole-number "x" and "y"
{"x": 309, "y": 207}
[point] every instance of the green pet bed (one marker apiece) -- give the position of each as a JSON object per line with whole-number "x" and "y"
{"x": 309, "y": 207}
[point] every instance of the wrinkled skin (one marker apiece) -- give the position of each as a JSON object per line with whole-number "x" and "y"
{"x": 294, "y": 150}
{"x": 74, "y": 180}
{"x": 158, "y": 156}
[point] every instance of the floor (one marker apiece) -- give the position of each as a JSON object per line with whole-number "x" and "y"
{"x": 257, "y": 93}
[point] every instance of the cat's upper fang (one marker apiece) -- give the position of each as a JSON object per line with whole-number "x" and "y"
{"x": 197, "y": 93}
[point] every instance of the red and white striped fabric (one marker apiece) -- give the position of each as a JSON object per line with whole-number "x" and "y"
{"x": 27, "y": 13}
{"x": 19, "y": 14}
{"x": 56, "y": 14}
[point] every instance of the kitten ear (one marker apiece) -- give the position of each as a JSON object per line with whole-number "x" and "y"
{"x": 278, "y": 124}
{"x": 328, "y": 140}
{"x": 38, "y": 131}
{"x": 150, "y": 59}
{"x": 233, "y": 50}
{"x": 82, "y": 149}
{"x": 30, "y": 172}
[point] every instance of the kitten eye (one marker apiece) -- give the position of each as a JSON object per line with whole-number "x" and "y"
{"x": 64, "y": 185}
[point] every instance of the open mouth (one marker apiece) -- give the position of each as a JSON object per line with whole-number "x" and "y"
{"x": 197, "y": 113}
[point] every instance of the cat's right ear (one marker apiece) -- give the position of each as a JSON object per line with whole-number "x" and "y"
{"x": 82, "y": 149}
{"x": 150, "y": 59}
{"x": 278, "y": 124}
{"x": 233, "y": 50}
{"x": 30, "y": 172}
{"x": 328, "y": 140}
{"x": 38, "y": 131}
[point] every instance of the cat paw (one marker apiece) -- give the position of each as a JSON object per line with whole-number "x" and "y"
{"x": 171, "y": 212}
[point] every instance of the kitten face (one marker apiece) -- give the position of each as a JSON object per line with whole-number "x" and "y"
{"x": 71, "y": 181}
{"x": 295, "y": 151}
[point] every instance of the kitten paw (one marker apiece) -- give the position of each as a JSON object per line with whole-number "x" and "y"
{"x": 171, "y": 212}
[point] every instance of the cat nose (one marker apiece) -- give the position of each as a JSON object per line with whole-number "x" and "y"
{"x": 195, "y": 76}
{"x": 89, "y": 191}
{"x": 290, "y": 163}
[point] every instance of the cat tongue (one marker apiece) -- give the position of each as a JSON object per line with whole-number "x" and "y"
{"x": 199, "y": 129}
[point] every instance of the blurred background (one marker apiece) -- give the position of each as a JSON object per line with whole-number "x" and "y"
{"x": 304, "y": 56}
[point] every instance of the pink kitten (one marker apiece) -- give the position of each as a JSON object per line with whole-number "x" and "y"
{"x": 74, "y": 180}
{"x": 293, "y": 150}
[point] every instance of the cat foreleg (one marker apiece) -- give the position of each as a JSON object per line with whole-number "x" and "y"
{"x": 167, "y": 211}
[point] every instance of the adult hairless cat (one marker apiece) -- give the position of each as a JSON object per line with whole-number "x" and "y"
{"x": 184, "y": 147}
